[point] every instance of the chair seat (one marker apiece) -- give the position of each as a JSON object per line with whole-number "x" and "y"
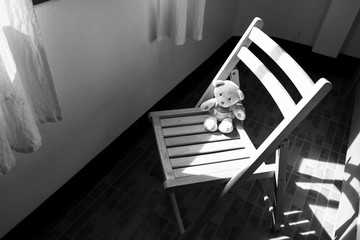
{"x": 191, "y": 155}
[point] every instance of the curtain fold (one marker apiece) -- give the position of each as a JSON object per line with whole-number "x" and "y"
{"x": 179, "y": 19}
{"x": 27, "y": 92}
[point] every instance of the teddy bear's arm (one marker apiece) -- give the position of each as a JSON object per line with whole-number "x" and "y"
{"x": 239, "y": 111}
{"x": 205, "y": 106}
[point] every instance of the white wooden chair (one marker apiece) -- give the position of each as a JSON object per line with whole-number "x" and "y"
{"x": 191, "y": 156}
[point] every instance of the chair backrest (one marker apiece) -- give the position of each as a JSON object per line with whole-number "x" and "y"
{"x": 293, "y": 111}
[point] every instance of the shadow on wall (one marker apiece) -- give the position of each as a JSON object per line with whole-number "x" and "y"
{"x": 152, "y": 19}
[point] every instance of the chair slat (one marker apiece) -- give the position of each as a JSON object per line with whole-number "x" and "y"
{"x": 221, "y": 170}
{"x": 188, "y": 120}
{"x": 210, "y": 169}
{"x": 205, "y": 148}
{"x": 176, "y": 112}
{"x": 297, "y": 75}
{"x": 183, "y": 130}
{"x": 276, "y": 90}
{"x": 209, "y": 158}
{"x": 199, "y": 138}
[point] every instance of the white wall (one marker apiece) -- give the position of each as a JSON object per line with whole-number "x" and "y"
{"x": 297, "y": 21}
{"x": 107, "y": 72}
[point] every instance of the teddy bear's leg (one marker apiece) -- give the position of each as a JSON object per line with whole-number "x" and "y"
{"x": 211, "y": 124}
{"x": 226, "y": 125}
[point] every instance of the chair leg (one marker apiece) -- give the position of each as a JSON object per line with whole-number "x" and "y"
{"x": 217, "y": 201}
{"x": 280, "y": 179}
{"x": 177, "y": 213}
{"x": 268, "y": 202}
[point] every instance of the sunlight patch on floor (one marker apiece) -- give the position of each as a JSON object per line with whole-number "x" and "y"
{"x": 292, "y": 212}
{"x": 307, "y": 165}
{"x": 319, "y": 214}
{"x": 324, "y": 189}
{"x": 280, "y": 238}
{"x": 300, "y": 222}
{"x": 312, "y": 232}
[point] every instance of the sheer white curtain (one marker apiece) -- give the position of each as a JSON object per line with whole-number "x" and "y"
{"x": 178, "y": 19}
{"x": 27, "y": 93}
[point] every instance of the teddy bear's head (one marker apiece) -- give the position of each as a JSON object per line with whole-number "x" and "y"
{"x": 227, "y": 93}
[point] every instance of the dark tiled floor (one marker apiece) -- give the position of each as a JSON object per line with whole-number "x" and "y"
{"x": 130, "y": 203}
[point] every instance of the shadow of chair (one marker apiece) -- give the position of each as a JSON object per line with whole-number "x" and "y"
{"x": 192, "y": 157}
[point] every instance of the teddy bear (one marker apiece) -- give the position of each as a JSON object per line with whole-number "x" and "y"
{"x": 224, "y": 107}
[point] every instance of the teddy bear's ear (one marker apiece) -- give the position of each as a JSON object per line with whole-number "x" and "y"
{"x": 241, "y": 95}
{"x": 219, "y": 83}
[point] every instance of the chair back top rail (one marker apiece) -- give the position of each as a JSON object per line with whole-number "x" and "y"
{"x": 292, "y": 69}
{"x": 253, "y": 34}
{"x": 281, "y": 97}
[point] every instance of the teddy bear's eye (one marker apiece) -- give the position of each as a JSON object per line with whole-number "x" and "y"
{"x": 220, "y": 94}
{"x": 229, "y": 99}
